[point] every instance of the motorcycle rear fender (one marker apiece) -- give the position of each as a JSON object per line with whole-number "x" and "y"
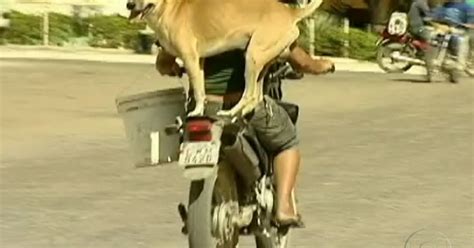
{"x": 204, "y": 171}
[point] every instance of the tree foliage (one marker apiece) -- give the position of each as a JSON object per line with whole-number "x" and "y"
{"x": 112, "y": 31}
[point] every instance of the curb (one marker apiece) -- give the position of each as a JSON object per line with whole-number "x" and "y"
{"x": 127, "y": 56}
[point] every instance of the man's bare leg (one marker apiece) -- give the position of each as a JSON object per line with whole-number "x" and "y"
{"x": 287, "y": 165}
{"x": 303, "y": 62}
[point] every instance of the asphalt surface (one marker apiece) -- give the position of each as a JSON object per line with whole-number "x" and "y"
{"x": 384, "y": 156}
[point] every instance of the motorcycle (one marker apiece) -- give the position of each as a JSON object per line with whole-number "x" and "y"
{"x": 397, "y": 53}
{"x": 232, "y": 190}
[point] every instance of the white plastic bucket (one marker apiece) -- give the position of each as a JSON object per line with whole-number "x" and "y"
{"x": 145, "y": 117}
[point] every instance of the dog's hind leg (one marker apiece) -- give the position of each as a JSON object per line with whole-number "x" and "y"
{"x": 262, "y": 48}
{"x": 194, "y": 68}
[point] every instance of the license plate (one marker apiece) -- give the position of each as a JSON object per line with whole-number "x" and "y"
{"x": 199, "y": 153}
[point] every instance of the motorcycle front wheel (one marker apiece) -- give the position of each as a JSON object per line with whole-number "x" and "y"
{"x": 470, "y": 64}
{"x": 387, "y": 63}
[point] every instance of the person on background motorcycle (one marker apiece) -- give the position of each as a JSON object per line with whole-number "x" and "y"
{"x": 471, "y": 35}
{"x": 459, "y": 14}
{"x": 224, "y": 84}
{"x": 419, "y": 10}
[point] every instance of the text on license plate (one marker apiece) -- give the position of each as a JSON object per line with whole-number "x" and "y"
{"x": 199, "y": 153}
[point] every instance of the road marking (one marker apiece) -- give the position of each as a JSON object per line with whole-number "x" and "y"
{"x": 155, "y": 147}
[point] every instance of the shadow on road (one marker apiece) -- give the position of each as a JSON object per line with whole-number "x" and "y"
{"x": 411, "y": 80}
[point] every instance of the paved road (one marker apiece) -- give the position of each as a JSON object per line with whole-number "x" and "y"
{"x": 383, "y": 158}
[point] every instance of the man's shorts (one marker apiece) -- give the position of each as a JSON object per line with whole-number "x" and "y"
{"x": 271, "y": 123}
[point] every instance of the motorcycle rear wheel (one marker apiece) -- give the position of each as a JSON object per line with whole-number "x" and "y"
{"x": 204, "y": 196}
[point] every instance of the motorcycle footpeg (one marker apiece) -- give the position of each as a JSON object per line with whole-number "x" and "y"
{"x": 184, "y": 230}
{"x": 183, "y": 213}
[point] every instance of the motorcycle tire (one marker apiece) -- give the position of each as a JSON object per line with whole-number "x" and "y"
{"x": 454, "y": 76}
{"x": 383, "y": 52}
{"x": 204, "y": 196}
{"x": 275, "y": 239}
{"x": 470, "y": 65}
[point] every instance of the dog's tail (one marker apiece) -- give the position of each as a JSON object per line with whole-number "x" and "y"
{"x": 308, "y": 9}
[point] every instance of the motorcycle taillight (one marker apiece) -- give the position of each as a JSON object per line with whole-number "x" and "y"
{"x": 199, "y": 130}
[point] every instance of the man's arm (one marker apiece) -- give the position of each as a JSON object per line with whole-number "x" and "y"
{"x": 470, "y": 16}
{"x": 422, "y": 5}
{"x": 166, "y": 64}
{"x": 303, "y": 62}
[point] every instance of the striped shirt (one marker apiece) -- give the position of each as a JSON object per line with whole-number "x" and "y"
{"x": 224, "y": 73}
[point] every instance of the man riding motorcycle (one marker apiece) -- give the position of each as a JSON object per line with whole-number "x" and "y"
{"x": 419, "y": 10}
{"x": 225, "y": 82}
{"x": 459, "y": 14}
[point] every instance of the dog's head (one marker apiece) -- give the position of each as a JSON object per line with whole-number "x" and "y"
{"x": 141, "y": 8}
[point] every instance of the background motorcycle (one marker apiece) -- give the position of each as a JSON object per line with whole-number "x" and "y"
{"x": 232, "y": 191}
{"x": 398, "y": 53}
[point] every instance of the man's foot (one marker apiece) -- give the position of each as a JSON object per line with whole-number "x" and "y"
{"x": 430, "y": 76}
{"x": 287, "y": 215}
{"x": 454, "y": 76}
{"x": 294, "y": 221}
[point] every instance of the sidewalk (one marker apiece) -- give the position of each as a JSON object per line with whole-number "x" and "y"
{"x": 127, "y": 56}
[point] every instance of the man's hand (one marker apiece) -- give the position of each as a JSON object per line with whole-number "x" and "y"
{"x": 166, "y": 64}
{"x": 303, "y": 62}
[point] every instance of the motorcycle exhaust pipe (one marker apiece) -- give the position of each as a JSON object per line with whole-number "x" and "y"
{"x": 244, "y": 160}
{"x": 397, "y": 56}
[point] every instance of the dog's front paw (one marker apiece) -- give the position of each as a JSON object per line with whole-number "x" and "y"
{"x": 197, "y": 111}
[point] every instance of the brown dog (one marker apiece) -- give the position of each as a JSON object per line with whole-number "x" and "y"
{"x": 195, "y": 29}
